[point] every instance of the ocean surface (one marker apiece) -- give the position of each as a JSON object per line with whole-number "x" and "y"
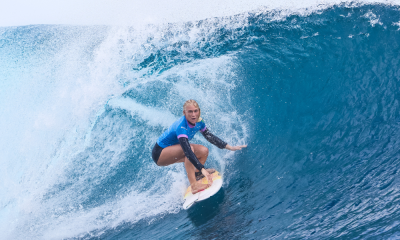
{"x": 313, "y": 93}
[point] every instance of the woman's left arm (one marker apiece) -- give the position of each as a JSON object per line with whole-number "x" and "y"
{"x": 213, "y": 139}
{"x": 218, "y": 142}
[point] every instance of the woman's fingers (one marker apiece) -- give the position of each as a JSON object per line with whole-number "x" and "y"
{"x": 238, "y": 147}
{"x": 210, "y": 181}
{"x": 207, "y": 175}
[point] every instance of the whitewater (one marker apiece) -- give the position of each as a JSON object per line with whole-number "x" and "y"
{"x": 313, "y": 91}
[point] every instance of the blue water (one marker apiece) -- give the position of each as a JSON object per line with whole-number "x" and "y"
{"x": 314, "y": 94}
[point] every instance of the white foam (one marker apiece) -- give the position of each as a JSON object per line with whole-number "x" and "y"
{"x": 129, "y": 207}
{"x": 397, "y": 24}
{"x": 49, "y": 103}
{"x": 373, "y": 18}
{"x": 52, "y": 117}
{"x": 152, "y": 115}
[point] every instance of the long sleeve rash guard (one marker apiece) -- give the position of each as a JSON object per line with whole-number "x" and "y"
{"x": 181, "y": 131}
{"x": 184, "y": 142}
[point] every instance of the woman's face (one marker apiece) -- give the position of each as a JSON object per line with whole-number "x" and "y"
{"x": 191, "y": 113}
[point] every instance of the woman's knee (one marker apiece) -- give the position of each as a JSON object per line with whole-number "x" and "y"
{"x": 202, "y": 151}
{"x": 205, "y": 150}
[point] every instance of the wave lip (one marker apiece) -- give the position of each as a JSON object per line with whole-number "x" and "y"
{"x": 128, "y": 13}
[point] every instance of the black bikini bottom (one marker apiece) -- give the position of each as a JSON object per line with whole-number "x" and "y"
{"x": 155, "y": 154}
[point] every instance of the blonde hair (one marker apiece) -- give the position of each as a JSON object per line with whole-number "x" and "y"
{"x": 195, "y": 104}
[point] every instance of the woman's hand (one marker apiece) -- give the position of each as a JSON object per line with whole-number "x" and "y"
{"x": 207, "y": 175}
{"x": 235, "y": 148}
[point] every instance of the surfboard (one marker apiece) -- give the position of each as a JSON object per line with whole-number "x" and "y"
{"x": 190, "y": 198}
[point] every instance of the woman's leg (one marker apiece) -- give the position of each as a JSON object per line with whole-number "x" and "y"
{"x": 171, "y": 155}
{"x": 174, "y": 154}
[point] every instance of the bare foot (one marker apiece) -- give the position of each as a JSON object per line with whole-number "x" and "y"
{"x": 197, "y": 187}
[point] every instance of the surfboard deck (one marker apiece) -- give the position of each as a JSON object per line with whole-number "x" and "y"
{"x": 190, "y": 198}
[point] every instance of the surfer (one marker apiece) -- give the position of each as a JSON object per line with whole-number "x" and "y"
{"x": 173, "y": 146}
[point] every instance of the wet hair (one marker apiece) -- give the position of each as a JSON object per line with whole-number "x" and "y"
{"x": 195, "y": 104}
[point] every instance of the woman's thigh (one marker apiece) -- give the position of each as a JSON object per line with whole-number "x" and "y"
{"x": 171, "y": 155}
{"x": 174, "y": 154}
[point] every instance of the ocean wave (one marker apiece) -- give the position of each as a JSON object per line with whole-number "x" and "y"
{"x": 313, "y": 92}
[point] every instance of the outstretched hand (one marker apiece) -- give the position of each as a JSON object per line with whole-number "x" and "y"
{"x": 235, "y": 148}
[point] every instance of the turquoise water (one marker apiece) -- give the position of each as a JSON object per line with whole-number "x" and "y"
{"x": 315, "y": 96}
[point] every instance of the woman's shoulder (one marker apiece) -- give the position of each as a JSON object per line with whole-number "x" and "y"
{"x": 201, "y": 122}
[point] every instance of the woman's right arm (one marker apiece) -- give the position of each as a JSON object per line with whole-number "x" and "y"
{"x": 184, "y": 142}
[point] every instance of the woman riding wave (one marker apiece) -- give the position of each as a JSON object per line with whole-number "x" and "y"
{"x": 173, "y": 146}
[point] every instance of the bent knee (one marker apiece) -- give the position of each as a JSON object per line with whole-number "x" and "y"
{"x": 203, "y": 151}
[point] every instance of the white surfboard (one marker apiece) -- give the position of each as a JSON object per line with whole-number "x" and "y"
{"x": 190, "y": 198}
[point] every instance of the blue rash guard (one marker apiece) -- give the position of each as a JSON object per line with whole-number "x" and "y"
{"x": 180, "y": 128}
{"x": 181, "y": 132}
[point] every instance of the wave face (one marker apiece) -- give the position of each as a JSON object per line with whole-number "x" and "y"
{"x": 315, "y": 96}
